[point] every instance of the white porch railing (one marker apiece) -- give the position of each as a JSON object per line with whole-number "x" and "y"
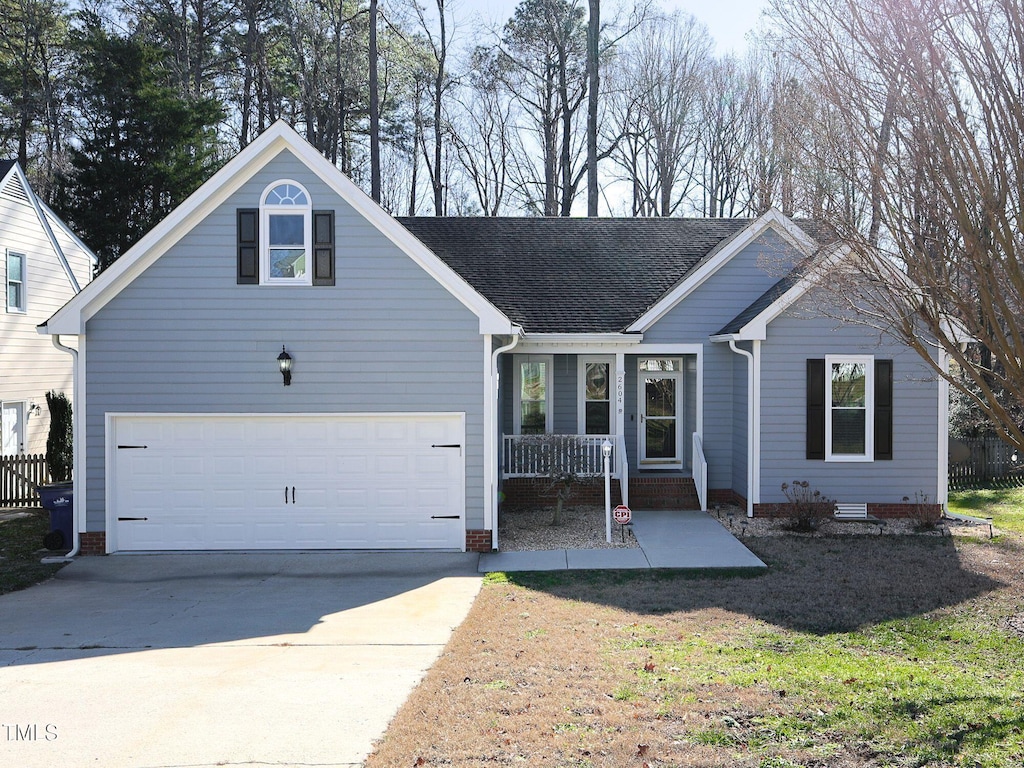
{"x": 536, "y": 455}
{"x": 540, "y": 455}
{"x": 700, "y": 472}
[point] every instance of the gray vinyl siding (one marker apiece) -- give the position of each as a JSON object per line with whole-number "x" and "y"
{"x": 792, "y": 339}
{"x": 30, "y": 364}
{"x": 184, "y": 338}
{"x": 565, "y": 401}
{"x": 705, "y": 311}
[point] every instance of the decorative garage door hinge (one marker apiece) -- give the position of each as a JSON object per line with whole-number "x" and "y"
{"x": 123, "y": 519}
{"x": 123, "y": 447}
{"x": 446, "y": 517}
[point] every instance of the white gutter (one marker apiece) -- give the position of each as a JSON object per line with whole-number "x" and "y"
{"x": 491, "y": 435}
{"x": 753, "y": 420}
{"x": 76, "y": 539}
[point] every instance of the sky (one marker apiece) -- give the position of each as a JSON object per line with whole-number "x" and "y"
{"x": 727, "y": 20}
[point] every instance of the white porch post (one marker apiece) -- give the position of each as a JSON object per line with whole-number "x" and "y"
{"x": 620, "y": 405}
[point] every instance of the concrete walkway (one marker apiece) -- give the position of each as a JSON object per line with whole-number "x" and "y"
{"x": 667, "y": 539}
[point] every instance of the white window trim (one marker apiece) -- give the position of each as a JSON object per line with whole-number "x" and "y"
{"x": 266, "y": 210}
{"x": 581, "y": 390}
{"x": 24, "y": 281}
{"x": 868, "y": 361}
{"x": 517, "y": 389}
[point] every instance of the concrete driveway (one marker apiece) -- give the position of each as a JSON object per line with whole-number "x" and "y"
{"x": 203, "y": 660}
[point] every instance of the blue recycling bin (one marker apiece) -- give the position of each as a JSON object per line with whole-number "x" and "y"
{"x": 59, "y": 500}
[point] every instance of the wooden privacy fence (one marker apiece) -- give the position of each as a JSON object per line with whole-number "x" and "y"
{"x": 990, "y": 460}
{"x": 19, "y": 476}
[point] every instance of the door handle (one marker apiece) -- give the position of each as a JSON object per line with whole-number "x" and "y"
{"x": 293, "y": 494}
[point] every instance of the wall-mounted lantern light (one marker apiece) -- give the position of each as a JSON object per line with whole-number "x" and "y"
{"x": 284, "y": 362}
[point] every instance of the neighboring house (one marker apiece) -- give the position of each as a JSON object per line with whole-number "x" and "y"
{"x": 427, "y": 354}
{"x": 44, "y": 265}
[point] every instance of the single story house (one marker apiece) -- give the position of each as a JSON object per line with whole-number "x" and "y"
{"x": 44, "y": 265}
{"x": 281, "y": 364}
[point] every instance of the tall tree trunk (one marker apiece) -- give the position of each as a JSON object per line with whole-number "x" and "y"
{"x": 438, "y": 178}
{"x": 374, "y": 108}
{"x": 593, "y": 78}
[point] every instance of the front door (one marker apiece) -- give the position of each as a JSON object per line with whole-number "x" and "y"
{"x": 12, "y": 426}
{"x": 661, "y": 397}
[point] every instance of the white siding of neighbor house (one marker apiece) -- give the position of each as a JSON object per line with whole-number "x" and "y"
{"x": 803, "y": 333}
{"x": 183, "y": 337}
{"x": 29, "y": 362}
{"x": 704, "y": 312}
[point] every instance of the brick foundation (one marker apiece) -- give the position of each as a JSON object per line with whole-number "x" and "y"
{"x": 883, "y": 511}
{"x": 662, "y": 492}
{"x": 725, "y": 496}
{"x": 531, "y": 492}
{"x": 478, "y": 541}
{"x": 93, "y": 543}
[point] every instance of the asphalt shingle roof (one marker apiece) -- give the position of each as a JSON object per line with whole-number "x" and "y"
{"x": 573, "y": 275}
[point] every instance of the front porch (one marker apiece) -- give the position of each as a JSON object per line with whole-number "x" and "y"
{"x": 530, "y": 462}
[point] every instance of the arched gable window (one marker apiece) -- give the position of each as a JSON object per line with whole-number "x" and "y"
{"x": 285, "y": 218}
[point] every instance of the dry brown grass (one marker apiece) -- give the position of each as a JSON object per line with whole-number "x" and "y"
{"x": 570, "y": 669}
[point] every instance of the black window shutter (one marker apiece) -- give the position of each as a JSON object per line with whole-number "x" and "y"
{"x": 248, "y": 246}
{"x": 883, "y": 410}
{"x": 323, "y": 247}
{"x": 816, "y": 409}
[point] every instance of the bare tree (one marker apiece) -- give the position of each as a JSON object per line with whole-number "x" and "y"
{"x": 543, "y": 63}
{"x": 483, "y": 134}
{"x": 659, "y": 77}
{"x": 931, "y": 96}
{"x": 725, "y": 140}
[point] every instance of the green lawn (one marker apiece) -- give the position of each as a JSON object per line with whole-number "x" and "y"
{"x": 1005, "y": 505}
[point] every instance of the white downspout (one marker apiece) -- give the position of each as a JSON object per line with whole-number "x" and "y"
{"x": 750, "y": 423}
{"x": 491, "y": 429}
{"x": 76, "y": 541}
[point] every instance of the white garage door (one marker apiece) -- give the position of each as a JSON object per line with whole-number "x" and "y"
{"x": 287, "y": 482}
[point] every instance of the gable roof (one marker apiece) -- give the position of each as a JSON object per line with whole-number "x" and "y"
{"x": 753, "y": 321}
{"x": 71, "y": 318}
{"x": 574, "y": 275}
{"x": 14, "y": 185}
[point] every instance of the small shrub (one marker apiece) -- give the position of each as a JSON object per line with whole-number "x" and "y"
{"x": 805, "y": 508}
{"x": 922, "y": 514}
{"x": 60, "y": 452}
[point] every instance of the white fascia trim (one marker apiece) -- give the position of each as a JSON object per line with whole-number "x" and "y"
{"x": 579, "y": 343}
{"x": 722, "y": 254}
{"x": 72, "y": 317}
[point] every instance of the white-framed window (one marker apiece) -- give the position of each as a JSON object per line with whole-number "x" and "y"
{"x": 533, "y": 379}
{"x": 849, "y": 407}
{"x": 596, "y": 384}
{"x": 285, "y": 234}
{"x": 16, "y": 282}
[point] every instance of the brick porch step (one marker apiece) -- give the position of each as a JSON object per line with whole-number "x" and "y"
{"x": 662, "y": 492}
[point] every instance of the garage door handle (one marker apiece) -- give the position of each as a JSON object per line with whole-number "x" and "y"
{"x": 446, "y": 517}
{"x": 286, "y": 494}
